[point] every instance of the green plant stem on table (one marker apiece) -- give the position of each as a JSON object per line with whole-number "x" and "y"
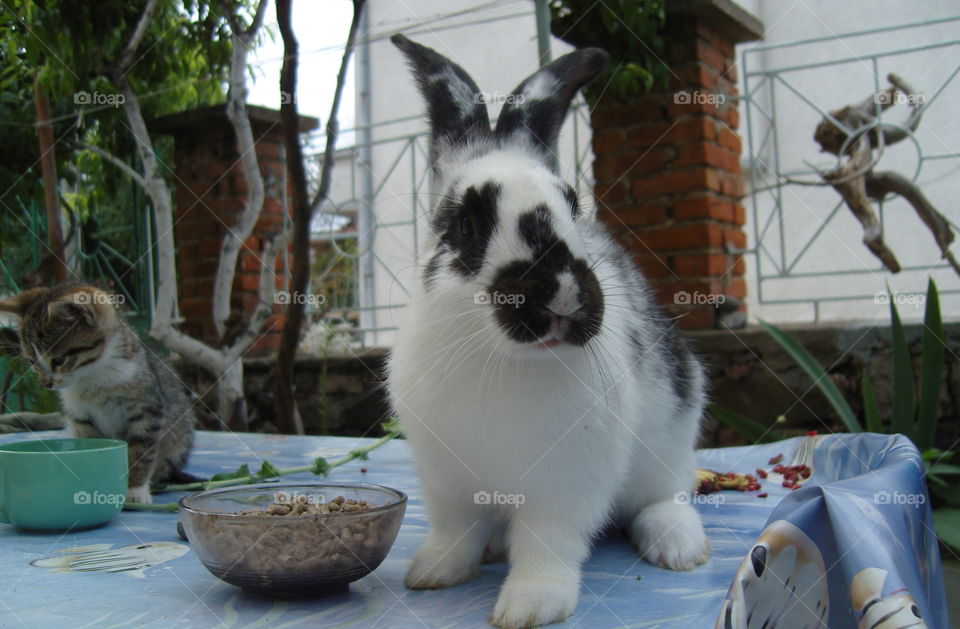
{"x": 320, "y": 467}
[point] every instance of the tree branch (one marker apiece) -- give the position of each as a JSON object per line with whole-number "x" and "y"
{"x": 126, "y": 60}
{"x": 236, "y": 110}
{"x": 116, "y": 161}
{"x": 264, "y": 307}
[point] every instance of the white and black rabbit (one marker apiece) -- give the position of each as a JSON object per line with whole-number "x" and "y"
{"x": 543, "y": 392}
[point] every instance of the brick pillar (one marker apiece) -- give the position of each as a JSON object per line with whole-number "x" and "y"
{"x": 667, "y": 166}
{"x": 209, "y": 194}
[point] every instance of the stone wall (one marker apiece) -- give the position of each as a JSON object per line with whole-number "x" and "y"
{"x": 748, "y": 372}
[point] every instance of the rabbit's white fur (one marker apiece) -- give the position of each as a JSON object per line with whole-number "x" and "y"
{"x": 577, "y": 434}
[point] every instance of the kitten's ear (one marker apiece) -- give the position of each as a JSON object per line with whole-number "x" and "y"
{"x": 534, "y": 112}
{"x": 80, "y": 305}
{"x": 455, "y": 106}
{"x": 16, "y": 307}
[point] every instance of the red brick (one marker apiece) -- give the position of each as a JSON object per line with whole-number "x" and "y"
{"x": 740, "y": 214}
{"x": 247, "y": 282}
{"x": 633, "y": 215}
{"x": 730, "y": 115}
{"x": 707, "y": 154}
{"x": 649, "y": 134}
{"x": 629, "y": 164}
{"x": 612, "y": 193}
{"x": 729, "y": 140}
{"x": 693, "y": 76}
{"x": 209, "y": 248}
{"x": 701, "y": 264}
{"x": 703, "y": 207}
{"x": 735, "y": 238}
{"x": 697, "y": 102}
{"x": 692, "y": 180}
{"x": 608, "y": 142}
{"x": 736, "y": 287}
{"x": 267, "y": 149}
{"x": 653, "y": 266}
{"x": 731, "y": 185}
{"x": 710, "y": 56}
{"x": 692, "y": 128}
{"x": 723, "y": 45}
{"x": 611, "y": 114}
{"x": 684, "y": 236}
{"x": 698, "y": 318}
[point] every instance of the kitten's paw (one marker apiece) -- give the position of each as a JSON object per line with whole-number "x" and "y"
{"x": 670, "y": 535}
{"x": 534, "y": 601}
{"x": 435, "y": 568}
{"x": 140, "y": 494}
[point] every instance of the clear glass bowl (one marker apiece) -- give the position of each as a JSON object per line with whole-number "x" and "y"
{"x": 291, "y": 555}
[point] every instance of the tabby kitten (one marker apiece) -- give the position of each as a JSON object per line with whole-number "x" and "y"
{"x": 110, "y": 385}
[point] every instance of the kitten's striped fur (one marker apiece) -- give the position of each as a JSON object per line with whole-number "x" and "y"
{"x": 110, "y": 385}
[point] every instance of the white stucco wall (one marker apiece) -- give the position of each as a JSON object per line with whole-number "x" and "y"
{"x": 830, "y": 87}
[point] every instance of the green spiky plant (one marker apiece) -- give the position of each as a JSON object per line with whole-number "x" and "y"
{"x": 914, "y": 418}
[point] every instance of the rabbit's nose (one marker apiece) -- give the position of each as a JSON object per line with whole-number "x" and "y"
{"x": 565, "y": 302}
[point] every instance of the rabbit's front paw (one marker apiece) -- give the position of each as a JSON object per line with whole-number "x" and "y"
{"x": 534, "y": 601}
{"x": 435, "y": 568}
{"x": 670, "y": 535}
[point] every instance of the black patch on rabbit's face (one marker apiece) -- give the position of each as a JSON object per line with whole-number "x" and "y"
{"x": 571, "y": 196}
{"x": 465, "y": 228}
{"x": 524, "y": 289}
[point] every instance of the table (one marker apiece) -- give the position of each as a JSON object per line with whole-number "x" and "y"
{"x": 841, "y": 509}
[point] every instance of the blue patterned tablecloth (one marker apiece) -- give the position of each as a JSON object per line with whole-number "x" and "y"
{"x": 854, "y": 542}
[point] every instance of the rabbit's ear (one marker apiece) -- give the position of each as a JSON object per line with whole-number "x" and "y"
{"x": 534, "y": 112}
{"x": 455, "y": 106}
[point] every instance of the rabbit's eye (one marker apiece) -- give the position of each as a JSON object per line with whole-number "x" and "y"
{"x": 466, "y": 227}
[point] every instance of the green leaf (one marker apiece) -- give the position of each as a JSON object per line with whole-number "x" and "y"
{"x": 947, "y": 522}
{"x": 936, "y": 454}
{"x": 904, "y": 397}
{"x": 871, "y": 413}
{"x": 242, "y": 471}
{"x": 809, "y": 364}
{"x": 931, "y": 369}
{"x": 745, "y": 427}
{"x": 943, "y": 469}
{"x": 267, "y": 470}
{"x": 392, "y": 425}
{"x": 320, "y": 466}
